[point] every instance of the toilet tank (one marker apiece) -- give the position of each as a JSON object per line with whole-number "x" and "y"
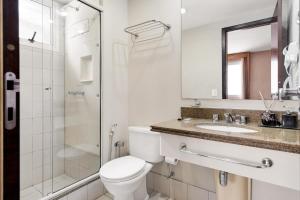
{"x": 145, "y": 144}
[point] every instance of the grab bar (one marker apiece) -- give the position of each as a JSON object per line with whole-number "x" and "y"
{"x": 265, "y": 163}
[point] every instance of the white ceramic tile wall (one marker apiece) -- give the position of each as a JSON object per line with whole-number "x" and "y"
{"x": 177, "y": 189}
{"x": 37, "y": 126}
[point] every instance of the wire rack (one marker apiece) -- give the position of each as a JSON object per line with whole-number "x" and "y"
{"x": 147, "y": 31}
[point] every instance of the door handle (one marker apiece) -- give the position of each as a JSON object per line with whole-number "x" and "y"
{"x": 11, "y": 88}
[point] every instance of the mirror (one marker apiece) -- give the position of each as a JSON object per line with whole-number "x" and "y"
{"x": 235, "y": 50}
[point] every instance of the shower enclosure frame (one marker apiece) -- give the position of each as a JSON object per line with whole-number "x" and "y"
{"x": 11, "y": 63}
{"x": 11, "y": 138}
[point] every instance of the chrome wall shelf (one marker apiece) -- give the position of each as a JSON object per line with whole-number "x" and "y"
{"x": 146, "y": 31}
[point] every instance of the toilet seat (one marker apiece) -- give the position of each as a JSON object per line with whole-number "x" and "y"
{"x": 122, "y": 169}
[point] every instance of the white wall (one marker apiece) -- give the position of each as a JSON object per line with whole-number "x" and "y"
{"x": 115, "y": 72}
{"x": 155, "y": 91}
{"x": 154, "y": 72}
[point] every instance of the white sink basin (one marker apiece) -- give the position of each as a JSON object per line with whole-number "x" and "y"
{"x": 230, "y": 129}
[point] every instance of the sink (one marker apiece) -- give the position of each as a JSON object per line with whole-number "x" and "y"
{"x": 225, "y": 128}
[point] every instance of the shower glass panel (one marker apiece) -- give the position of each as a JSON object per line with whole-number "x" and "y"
{"x": 60, "y": 94}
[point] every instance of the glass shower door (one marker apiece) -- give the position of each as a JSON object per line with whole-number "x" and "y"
{"x": 80, "y": 121}
{"x": 60, "y": 94}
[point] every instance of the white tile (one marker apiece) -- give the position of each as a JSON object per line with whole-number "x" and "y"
{"x": 38, "y": 175}
{"x": 58, "y": 123}
{"x": 37, "y": 59}
{"x": 30, "y": 194}
{"x": 58, "y": 166}
{"x": 47, "y": 172}
{"x": 58, "y": 61}
{"x": 158, "y": 196}
{"x": 26, "y": 127}
{"x": 37, "y": 159}
{"x": 58, "y": 77}
{"x": 195, "y": 175}
{"x": 80, "y": 194}
{"x": 25, "y": 143}
{"x": 212, "y": 196}
{"x": 37, "y": 94}
{"x": 47, "y": 80}
{"x": 178, "y": 190}
{"x": 26, "y": 101}
{"x": 195, "y": 193}
{"x": 26, "y": 57}
{"x": 37, "y": 125}
{"x": 47, "y": 140}
{"x": 37, "y": 142}
{"x": 104, "y": 197}
{"x": 47, "y": 60}
{"x": 47, "y": 156}
{"x": 47, "y": 124}
{"x": 95, "y": 190}
{"x": 47, "y": 105}
{"x": 161, "y": 184}
{"x": 37, "y": 76}
{"x": 150, "y": 182}
{"x": 26, "y": 170}
{"x": 58, "y": 138}
{"x": 25, "y": 75}
{"x": 37, "y": 109}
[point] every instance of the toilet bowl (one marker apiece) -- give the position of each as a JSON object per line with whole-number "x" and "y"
{"x": 125, "y": 177}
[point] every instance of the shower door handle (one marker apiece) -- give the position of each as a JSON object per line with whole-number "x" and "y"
{"x": 11, "y": 87}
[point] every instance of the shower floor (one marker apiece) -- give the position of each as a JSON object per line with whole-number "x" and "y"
{"x": 36, "y": 192}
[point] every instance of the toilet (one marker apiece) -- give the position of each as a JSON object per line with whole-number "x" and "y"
{"x": 125, "y": 177}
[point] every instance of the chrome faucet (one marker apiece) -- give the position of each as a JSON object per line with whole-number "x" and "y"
{"x": 228, "y": 118}
{"x": 238, "y": 119}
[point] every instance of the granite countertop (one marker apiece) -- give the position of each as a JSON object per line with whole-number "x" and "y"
{"x": 286, "y": 140}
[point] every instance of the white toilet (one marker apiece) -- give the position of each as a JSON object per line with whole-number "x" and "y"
{"x": 125, "y": 177}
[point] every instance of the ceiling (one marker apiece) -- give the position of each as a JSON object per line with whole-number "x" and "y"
{"x": 250, "y": 40}
{"x": 207, "y": 12}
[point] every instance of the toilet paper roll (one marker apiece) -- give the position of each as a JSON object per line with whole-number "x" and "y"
{"x": 172, "y": 161}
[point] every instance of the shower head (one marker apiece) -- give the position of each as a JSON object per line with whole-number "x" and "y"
{"x": 63, "y": 10}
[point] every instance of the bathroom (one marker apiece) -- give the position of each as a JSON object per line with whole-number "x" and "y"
{"x": 85, "y": 77}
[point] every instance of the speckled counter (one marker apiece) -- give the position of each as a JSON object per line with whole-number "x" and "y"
{"x": 286, "y": 140}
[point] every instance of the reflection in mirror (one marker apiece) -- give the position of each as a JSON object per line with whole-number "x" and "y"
{"x": 248, "y": 67}
{"x": 250, "y": 58}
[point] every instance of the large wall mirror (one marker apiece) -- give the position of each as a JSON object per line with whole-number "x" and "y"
{"x": 235, "y": 49}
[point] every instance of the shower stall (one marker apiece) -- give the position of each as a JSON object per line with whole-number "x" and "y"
{"x": 60, "y": 95}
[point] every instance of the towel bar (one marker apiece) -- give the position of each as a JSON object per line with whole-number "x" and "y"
{"x": 265, "y": 163}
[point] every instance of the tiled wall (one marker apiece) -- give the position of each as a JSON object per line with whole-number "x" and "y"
{"x": 190, "y": 182}
{"x": 39, "y": 81}
{"x": 81, "y": 166}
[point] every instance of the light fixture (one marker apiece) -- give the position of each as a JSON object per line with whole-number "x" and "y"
{"x": 183, "y": 11}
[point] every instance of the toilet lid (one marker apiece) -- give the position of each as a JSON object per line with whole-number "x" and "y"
{"x": 122, "y": 169}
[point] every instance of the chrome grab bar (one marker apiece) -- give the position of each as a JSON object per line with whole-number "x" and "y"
{"x": 265, "y": 163}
